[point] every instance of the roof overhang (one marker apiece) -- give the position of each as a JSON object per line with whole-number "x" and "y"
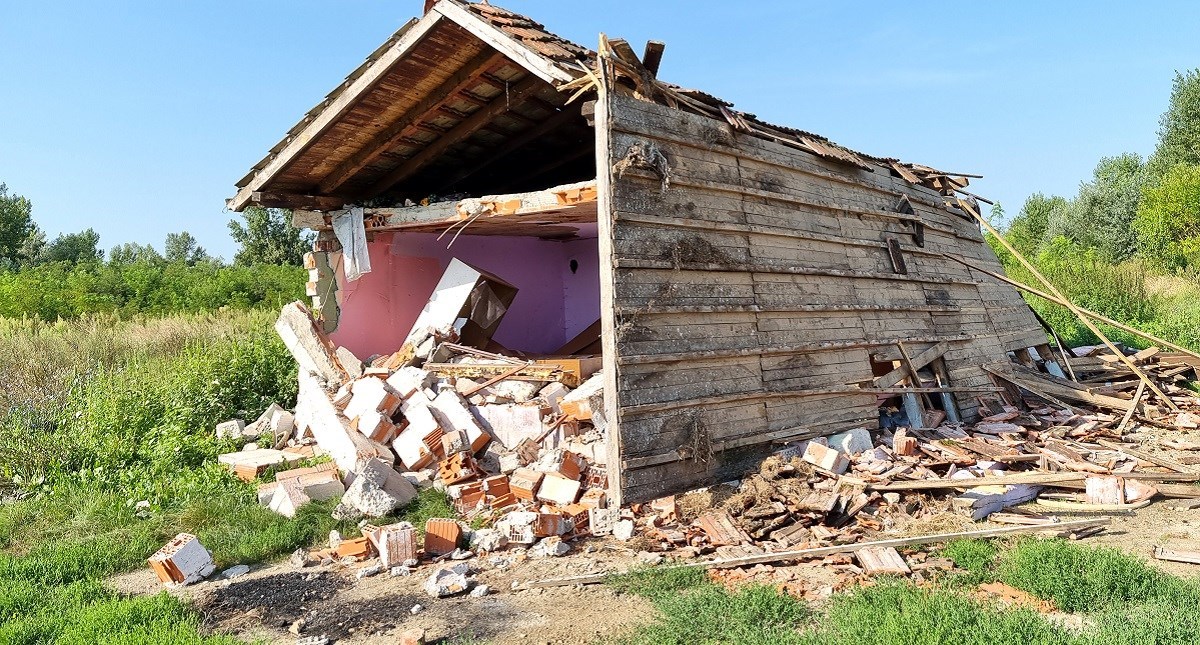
{"x": 435, "y": 83}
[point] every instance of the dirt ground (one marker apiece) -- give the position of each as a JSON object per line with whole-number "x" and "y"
{"x": 264, "y": 604}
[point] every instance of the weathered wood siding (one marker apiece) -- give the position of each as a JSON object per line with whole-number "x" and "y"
{"x": 745, "y": 298}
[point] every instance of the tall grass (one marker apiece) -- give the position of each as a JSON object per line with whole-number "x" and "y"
{"x": 1129, "y": 292}
{"x": 101, "y": 414}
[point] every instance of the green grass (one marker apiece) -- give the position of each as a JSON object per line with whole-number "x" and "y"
{"x": 1122, "y": 599}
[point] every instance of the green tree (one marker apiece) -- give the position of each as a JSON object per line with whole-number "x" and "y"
{"x": 267, "y": 237}
{"x": 1101, "y": 217}
{"x": 130, "y": 252}
{"x": 1168, "y": 220}
{"x": 74, "y": 248}
{"x": 182, "y": 247}
{"x": 1179, "y": 126}
{"x": 16, "y": 225}
{"x": 1028, "y": 230}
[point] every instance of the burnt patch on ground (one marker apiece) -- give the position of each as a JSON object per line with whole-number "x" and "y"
{"x": 274, "y": 601}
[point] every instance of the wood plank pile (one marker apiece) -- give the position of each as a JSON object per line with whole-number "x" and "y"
{"x": 1027, "y": 460}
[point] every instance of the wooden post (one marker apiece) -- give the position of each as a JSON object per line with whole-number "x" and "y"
{"x": 1069, "y": 305}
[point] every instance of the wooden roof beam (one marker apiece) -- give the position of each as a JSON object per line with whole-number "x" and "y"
{"x": 335, "y": 109}
{"x": 513, "y": 144}
{"x": 394, "y": 133}
{"x": 458, "y": 133}
{"x": 537, "y": 64}
{"x": 296, "y": 201}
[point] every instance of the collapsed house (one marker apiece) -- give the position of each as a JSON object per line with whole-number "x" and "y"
{"x": 494, "y": 202}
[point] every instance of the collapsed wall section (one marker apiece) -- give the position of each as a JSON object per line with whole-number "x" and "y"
{"x": 557, "y": 282}
{"x": 753, "y": 284}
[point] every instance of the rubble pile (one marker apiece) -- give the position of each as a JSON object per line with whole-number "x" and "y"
{"x": 1044, "y": 459}
{"x": 517, "y": 443}
{"x": 519, "y": 446}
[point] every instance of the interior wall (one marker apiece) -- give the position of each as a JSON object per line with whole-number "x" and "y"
{"x": 552, "y": 305}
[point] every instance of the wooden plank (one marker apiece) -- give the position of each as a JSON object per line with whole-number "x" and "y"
{"x": 608, "y": 319}
{"x": 465, "y": 128}
{"x": 537, "y": 64}
{"x": 1173, "y": 555}
{"x": 1012, "y": 478}
{"x": 1157, "y": 460}
{"x": 389, "y": 136}
{"x": 820, "y": 552}
{"x": 414, "y": 33}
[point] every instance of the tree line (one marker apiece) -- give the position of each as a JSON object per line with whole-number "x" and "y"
{"x": 70, "y": 275}
{"x": 1127, "y": 244}
{"x": 1132, "y": 208}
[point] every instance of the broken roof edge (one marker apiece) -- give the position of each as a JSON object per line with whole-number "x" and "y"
{"x": 519, "y": 38}
{"x": 379, "y": 63}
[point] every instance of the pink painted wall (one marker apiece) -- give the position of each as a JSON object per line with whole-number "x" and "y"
{"x": 552, "y": 303}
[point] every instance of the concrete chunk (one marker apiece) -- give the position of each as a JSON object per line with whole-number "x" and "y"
{"x": 311, "y": 349}
{"x": 377, "y": 490}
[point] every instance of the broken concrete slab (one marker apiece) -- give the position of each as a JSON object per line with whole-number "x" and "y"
{"x": 449, "y": 581}
{"x": 247, "y": 465}
{"x": 468, "y": 300}
{"x": 316, "y": 414}
{"x": 308, "y": 345}
{"x": 378, "y": 489}
{"x": 586, "y": 399}
{"x": 231, "y": 429}
{"x": 511, "y": 423}
{"x": 452, "y": 413}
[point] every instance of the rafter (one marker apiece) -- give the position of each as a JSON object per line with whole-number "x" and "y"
{"x": 388, "y": 137}
{"x": 458, "y": 133}
{"x": 514, "y": 143}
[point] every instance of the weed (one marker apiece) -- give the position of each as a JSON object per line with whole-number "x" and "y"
{"x": 656, "y": 584}
{"x": 1085, "y": 579}
{"x": 975, "y": 556}
{"x": 897, "y": 612}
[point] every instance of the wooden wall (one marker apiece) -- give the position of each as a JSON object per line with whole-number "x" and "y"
{"x": 743, "y": 300}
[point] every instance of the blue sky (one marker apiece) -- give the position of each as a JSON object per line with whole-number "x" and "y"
{"x": 136, "y": 118}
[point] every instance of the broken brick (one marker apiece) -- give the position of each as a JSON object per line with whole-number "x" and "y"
{"x": 441, "y": 536}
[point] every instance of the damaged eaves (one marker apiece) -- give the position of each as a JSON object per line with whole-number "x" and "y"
{"x": 423, "y": 116}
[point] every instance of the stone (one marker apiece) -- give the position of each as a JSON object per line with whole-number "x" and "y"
{"x": 852, "y": 442}
{"x": 300, "y": 559}
{"x": 335, "y": 538}
{"x": 449, "y": 581}
{"x": 368, "y": 571}
{"x": 378, "y": 489}
{"x": 297, "y": 626}
{"x": 400, "y": 572}
{"x": 231, "y": 429}
{"x": 623, "y": 530}
{"x": 414, "y": 636}
{"x": 235, "y": 571}
{"x": 461, "y": 554}
{"x": 488, "y": 540}
{"x": 416, "y": 609}
{"x": 552, "y": 546}
{"x": 313, "y": 640}
{"x": 480, "y": 591}
{"x": 649, "y": 558}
